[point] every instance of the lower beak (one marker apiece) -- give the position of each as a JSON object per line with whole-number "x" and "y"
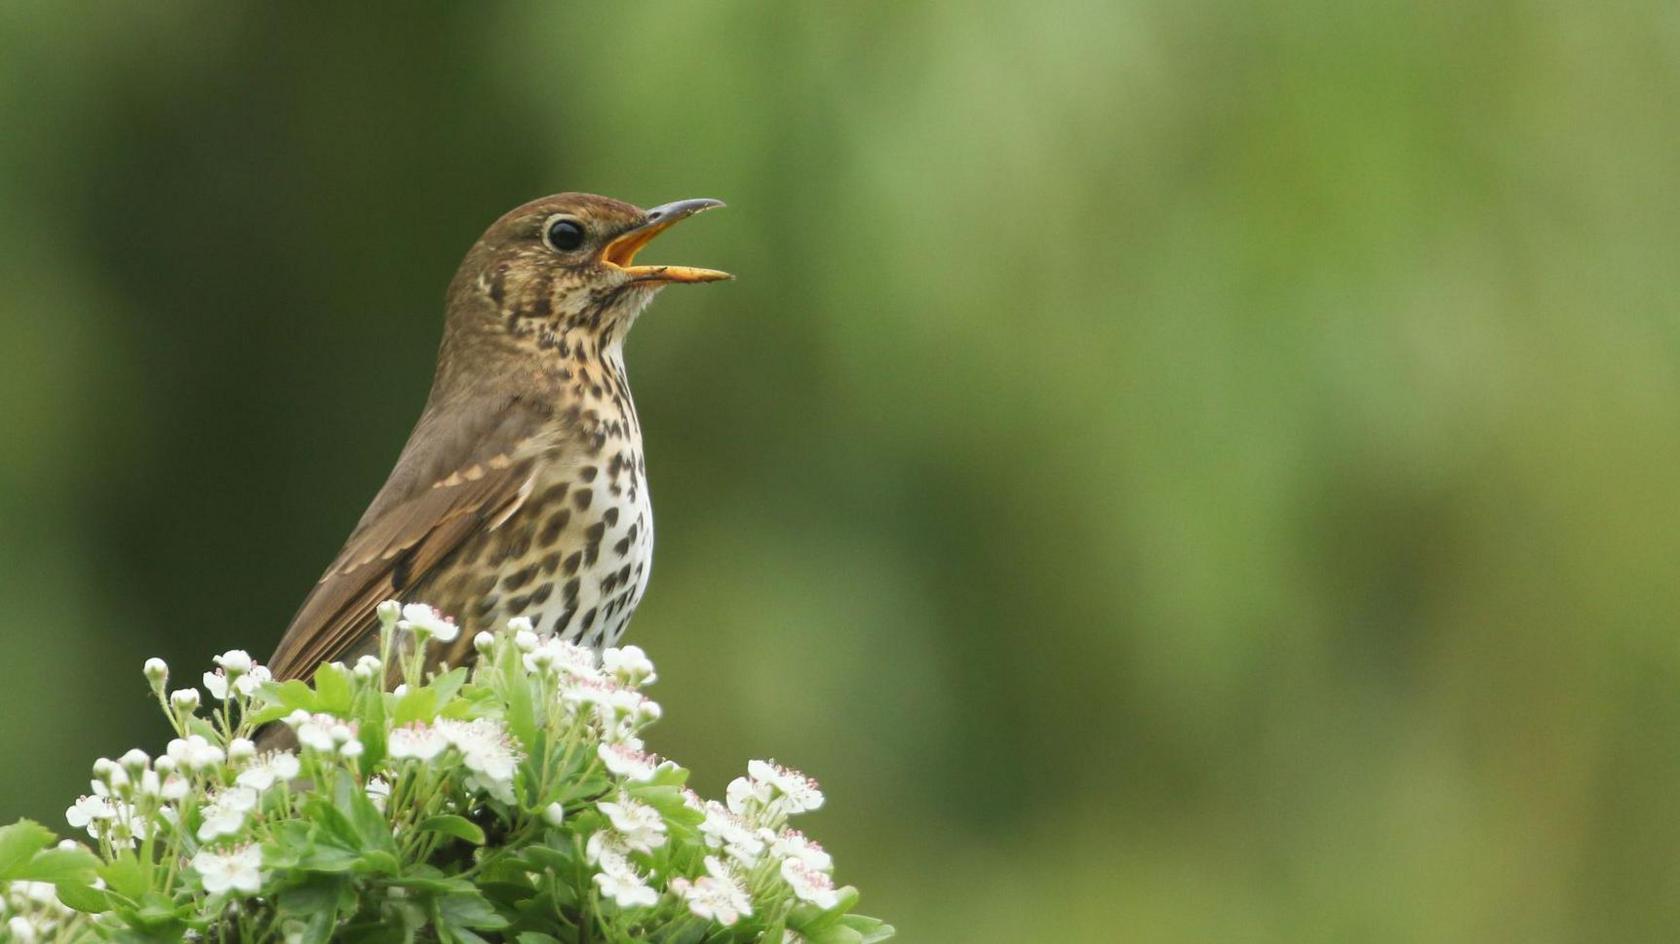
{"x": 621, "y": 252}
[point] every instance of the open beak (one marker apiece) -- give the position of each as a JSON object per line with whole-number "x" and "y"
{"x": 621, "y": 252}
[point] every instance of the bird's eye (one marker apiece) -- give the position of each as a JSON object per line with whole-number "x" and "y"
{"x": 565, "y": 235}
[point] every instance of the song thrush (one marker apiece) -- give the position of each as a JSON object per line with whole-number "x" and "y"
{"x": 522, "y": 490}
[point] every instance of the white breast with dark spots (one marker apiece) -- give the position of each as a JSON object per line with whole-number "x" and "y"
{"x": 590, "y": 551}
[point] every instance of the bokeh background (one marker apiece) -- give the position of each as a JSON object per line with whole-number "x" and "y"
{"x": 1176, "y": 470}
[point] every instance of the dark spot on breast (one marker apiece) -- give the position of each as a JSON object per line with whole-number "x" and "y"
{"x": 519, "y": 578}
{"x": 588, "y": 473}
{"x": 582, "y": 497}
{"x": 572, "y": 561}
{"x": 551, "y": 531}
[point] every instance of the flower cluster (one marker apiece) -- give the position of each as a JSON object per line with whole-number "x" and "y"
{"x": 516, "y": 798}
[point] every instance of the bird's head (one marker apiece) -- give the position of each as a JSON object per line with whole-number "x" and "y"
{"x": 566, "y": 263}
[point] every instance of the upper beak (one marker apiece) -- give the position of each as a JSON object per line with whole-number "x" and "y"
{"x": 621, "y": 252}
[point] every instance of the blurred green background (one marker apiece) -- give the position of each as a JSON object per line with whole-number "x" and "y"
{"x": 1174, "y": 470}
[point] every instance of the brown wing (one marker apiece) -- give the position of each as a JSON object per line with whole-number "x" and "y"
{"x": 448, "y": 484}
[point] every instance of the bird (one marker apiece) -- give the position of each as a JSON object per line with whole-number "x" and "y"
{"x": 522, "y": 490}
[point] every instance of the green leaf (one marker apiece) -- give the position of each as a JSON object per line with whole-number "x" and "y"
{"x": 468, "y": 910}
{"x": 835, "y": 934}
{"x": 458, "y": 826}
{"x": 521, "y": 716}
{"x": 291, "y": 695}
{"x": 535, "y": 937}
{"x": 350, "y": 799}
{"x": 332, "y": 689}
{"x": 418, "y": 704}
{"x": 19, "y": 842}
{"x": 84, "y": 898}
{"x": 125, "y": 876}
{"x": 874, "y": 930}
{"x": 447, "y": 684}
{"x": 77, "y": 866}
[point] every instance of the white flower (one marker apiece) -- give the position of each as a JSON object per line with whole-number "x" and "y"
{"x": 388, "y": 611}
{"x": 134, "y": 761}
{"x": 87, "y": 811}
{"x": 554, "y": 814}
{"x": 367, "y": 667}
{"x": 520, "y": 624}
{"x": 714, "y": 899}
{"x": 628, "y": 761}
{"x": 809, "y": 884}
{"x": 629, "y": 665}
{"x": 424, "y": 621}
{"x": 174, "y": 787}
{"x": 240, "y": 750}
{"x": 417, "y": 740}
{"x": 553, "y": 654}
{"x": 22, "y": 930}
{"x": 351, "y": 749}
{"x": 224, "y": 815}
{"x": 379, "y": 792}
{"x": 483, "y": 641}
{"x": 319, "y": 732}
{"x": 607, "y": 850}
{"x": 628, "y": 889}
{"x": 524, "y": 639}
{"x": 488, "y": 752}
{"x": 798, "y": 792}
{"x": 195, "y": 753}
{"x": 746, "y": 797}
{"x": 156, "y": 671}
{"x": 641, "y": 826}
{"x": 245, "y": 683}
{"x": 238, "y": 869}
{"x": 725, "y": 830}
{"x": 792, "y": 844}
{"x": 235, "y": 662}
{"x": 184, "y": 699}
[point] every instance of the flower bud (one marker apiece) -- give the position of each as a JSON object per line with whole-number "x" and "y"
{"x": 157, "y": 672}
{"x": 520, "y": 624}
{"x": 525, "y": 640}
{"x": 483, "y": 642}
{"x": 235, "y": 662}
{"x": 241, "y": 749}
{"x": 351, "y": 749}
{"x": 184, "y": 699}
{"x": 164, "y": 765}
{"x": 554, "y": 814}
{"x": 105, "y": 768}
{"x": 389, "y": 612}
{"x": 134, "y": 761}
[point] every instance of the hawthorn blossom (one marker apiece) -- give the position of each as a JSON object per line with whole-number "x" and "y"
{"x": 321, "y": 732}
{"x": 379, "y": 792}
{"x": 87, "y": 811}
{"x": 723, "y": 829}
{"x": 628, "y": 889}
{"x": 798, "y": 792}
{"x": 809, "y": 884}
{"x": 184, "y": 699}
{"x": 628, "y": 761}
{"x": 746, "y": 797}
{"x": 224, "y": 815}
{"x": 417, "y": 740}
{"x": 237, "y": 869}
{"x": 488, "y": 752}
{"x": 640, "y": 825}
{"x": 629, "y": 664}
{"x": 426, "y": 622}
{"x": 607, "y": 850}
{"x": 793, "y": 844}
{"x": 195, "y": 753}
{"x": 712, "y": 898}
{"x": 269, "y": 769}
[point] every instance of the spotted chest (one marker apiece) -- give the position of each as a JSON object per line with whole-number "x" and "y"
{"x": 574, "y": 559}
